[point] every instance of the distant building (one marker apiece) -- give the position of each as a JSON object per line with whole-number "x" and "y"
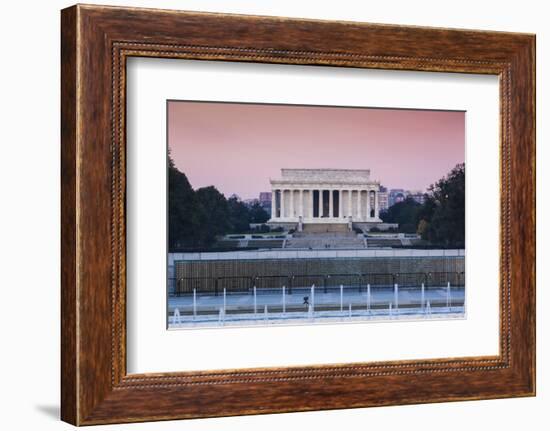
{"x": 265, "y": 198}
{"x": 399, "y": 195}
{"x": 395, "y": 196}
{"x": 418, "y": 196}
{"x": 265, "y": 201}
{"x": 383, "y": 196}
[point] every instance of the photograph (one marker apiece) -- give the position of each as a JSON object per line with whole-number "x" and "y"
{"x": 283, "y": 214}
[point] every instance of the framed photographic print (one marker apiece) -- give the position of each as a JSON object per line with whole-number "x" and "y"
{"x": 268, "y": 215}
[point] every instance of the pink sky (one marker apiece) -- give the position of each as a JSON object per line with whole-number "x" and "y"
{"x": 238, "y": 147}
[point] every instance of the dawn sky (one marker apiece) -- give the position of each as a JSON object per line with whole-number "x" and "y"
{"x": 238, "y": 147}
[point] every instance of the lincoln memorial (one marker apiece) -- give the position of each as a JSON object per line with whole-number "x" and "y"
{"x": 333, "y": 196}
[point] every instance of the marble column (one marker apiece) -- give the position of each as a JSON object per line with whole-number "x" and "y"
{"x": 340, "y": 215}
{"x": 301, "y": 204}
{"x": 330, "y": 204}
{"x": 376, "y": 209}
{"x": 368, "y": 204}
{"x": 359, "y": 217}
{"x": 310, "y": 203}
{"x": 291, "y": 192}
{"x": 349, "y": 203}
{"x": 320, "y": 203}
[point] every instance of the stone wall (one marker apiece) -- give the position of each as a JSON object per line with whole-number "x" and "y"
{"x": 342, "y": 270}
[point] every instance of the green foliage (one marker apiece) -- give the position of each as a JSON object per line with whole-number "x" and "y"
{"x": 185, "y": 214}
{"x": 197, "y": 217}
{"x": 215, "y": 208}
{"x": 238, "y": 215}
{"x": 404, "y": 213}
{"x": 258, "y": 214}
{"x": 426, "y": 211}
{"x": 441, "y": 219}
{"x": 407, "y": 228}
{"x": 422, "y": 227}
{"x": 445, "y": 214}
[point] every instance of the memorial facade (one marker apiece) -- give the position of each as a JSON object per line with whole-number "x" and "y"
{"x": 325, "y": 196}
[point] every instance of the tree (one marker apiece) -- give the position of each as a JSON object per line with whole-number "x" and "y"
{"x": 445, "y": 210}
{"x": 441, "y": 218}
{"x": 426, "y": 211}
{"x": 238, "y": 215}
{"x": 422, "y": 228}
{"x": 424, "y": 215}
{"x": 217, "y": 214}
{"x": 258, "y": 214}
{"x": 404, "y": 213}
{"x": 197, "y": 217}
{"x": 184, "y": 210}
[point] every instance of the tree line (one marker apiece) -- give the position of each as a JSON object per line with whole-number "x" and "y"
{"x": 196, "y": 217}
{"x": 441, "y": 218}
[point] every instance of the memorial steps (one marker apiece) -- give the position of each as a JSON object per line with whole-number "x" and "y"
{"x": 325, "y": 240}
{"x": 325, "y": 228}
